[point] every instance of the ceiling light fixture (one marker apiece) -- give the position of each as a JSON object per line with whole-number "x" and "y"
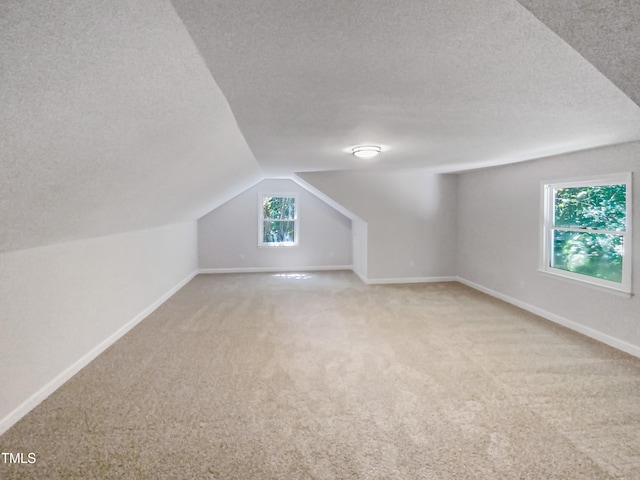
{"x": 366, "y": 151}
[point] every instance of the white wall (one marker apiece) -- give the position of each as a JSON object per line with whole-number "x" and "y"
{"x": 410, "y": 217}
{"x": 61, "y": 305}
{"x": 228, "y": 236}
{"x": 360, "y": 241}
{"x": 499, "y": 242}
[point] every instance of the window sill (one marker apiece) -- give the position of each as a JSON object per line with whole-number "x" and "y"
{"x": 586, "y": 283}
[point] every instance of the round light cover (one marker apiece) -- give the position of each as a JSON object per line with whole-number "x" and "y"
{"x": 366, "y": 151}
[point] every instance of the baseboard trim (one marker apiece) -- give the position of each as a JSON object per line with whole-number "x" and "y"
{"x": 274, "y": 269}
{"x": 393, "y": 281}
{"x": 362, "y": 277}
{"x": 34, "y": 400}
{"x": 368, "y": 281}
{"x": 565, "y": 322}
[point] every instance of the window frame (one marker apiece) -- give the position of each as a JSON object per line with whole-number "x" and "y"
{"x": 548, "y": 188}
{"x": 261, "y": 220}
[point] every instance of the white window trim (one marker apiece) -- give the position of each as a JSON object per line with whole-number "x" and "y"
{"x": 546, "y": 237}
{"x": 296, "y": 224}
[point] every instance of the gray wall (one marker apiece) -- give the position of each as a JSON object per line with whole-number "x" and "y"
{"x": 228, "y": 236}
{"x": 61, "y": 305}
{"x": 360, "y": 258}
{"x": 410, "y": 217}
{"x": 499, "y": 232}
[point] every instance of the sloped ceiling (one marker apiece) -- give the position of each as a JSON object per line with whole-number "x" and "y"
{"x": 448, "y": 85}
{"x": 110, "y": 122}
{"x": 118, "y": 115}
{"x": 605, "y": 32}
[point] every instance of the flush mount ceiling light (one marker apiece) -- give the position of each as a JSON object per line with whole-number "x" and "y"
{"x": 366, "y": 151}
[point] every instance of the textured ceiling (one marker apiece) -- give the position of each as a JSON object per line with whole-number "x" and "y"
{"x": 109, "y": 122}
{"x": 119, "y": 115}
{"x": 448, "y": 85}
{"x": 605, "y": 32}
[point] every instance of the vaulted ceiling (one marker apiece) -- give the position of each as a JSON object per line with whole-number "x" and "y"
{"x": 605, "y": 32}
{"x": 118, "y": 115}
{"x": 110, "y": 122}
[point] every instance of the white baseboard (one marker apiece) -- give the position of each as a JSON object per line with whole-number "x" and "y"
{"x": 565, "y": 322}
{"x": 391, "y": 281}
{"x": 368, "y": 281}
{"x": 35, "y": 399}
{"x": 274, "y": 269}
{"x": 360, "y": 276}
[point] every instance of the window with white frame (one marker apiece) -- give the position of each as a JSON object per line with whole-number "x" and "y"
{"x": 587, "y": 230}
{"x": 278, "y": 221}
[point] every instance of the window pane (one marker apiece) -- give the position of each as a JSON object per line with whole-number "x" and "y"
{"x": 602, "y": 207}
{"x": 593, "y": 254}
{"x": 279, "y": 208}
{"x": 288, "y": 208}
{"x": 276, "y": 231}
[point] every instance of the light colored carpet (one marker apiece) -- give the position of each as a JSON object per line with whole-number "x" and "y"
{"x": 318, "y": 376}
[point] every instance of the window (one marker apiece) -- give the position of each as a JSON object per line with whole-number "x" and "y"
{"x": 587, "y": 230}
{"x": 278, "y": 221}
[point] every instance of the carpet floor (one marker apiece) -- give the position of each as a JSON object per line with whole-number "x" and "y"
{"x": 319, "y": 376}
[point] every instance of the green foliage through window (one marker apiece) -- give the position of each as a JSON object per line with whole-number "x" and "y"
{"x": 588, "y": 226}
{"x": 279, "y": 220}
{"x": 603, "y": 207}
{"x": 591, "y": 254}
